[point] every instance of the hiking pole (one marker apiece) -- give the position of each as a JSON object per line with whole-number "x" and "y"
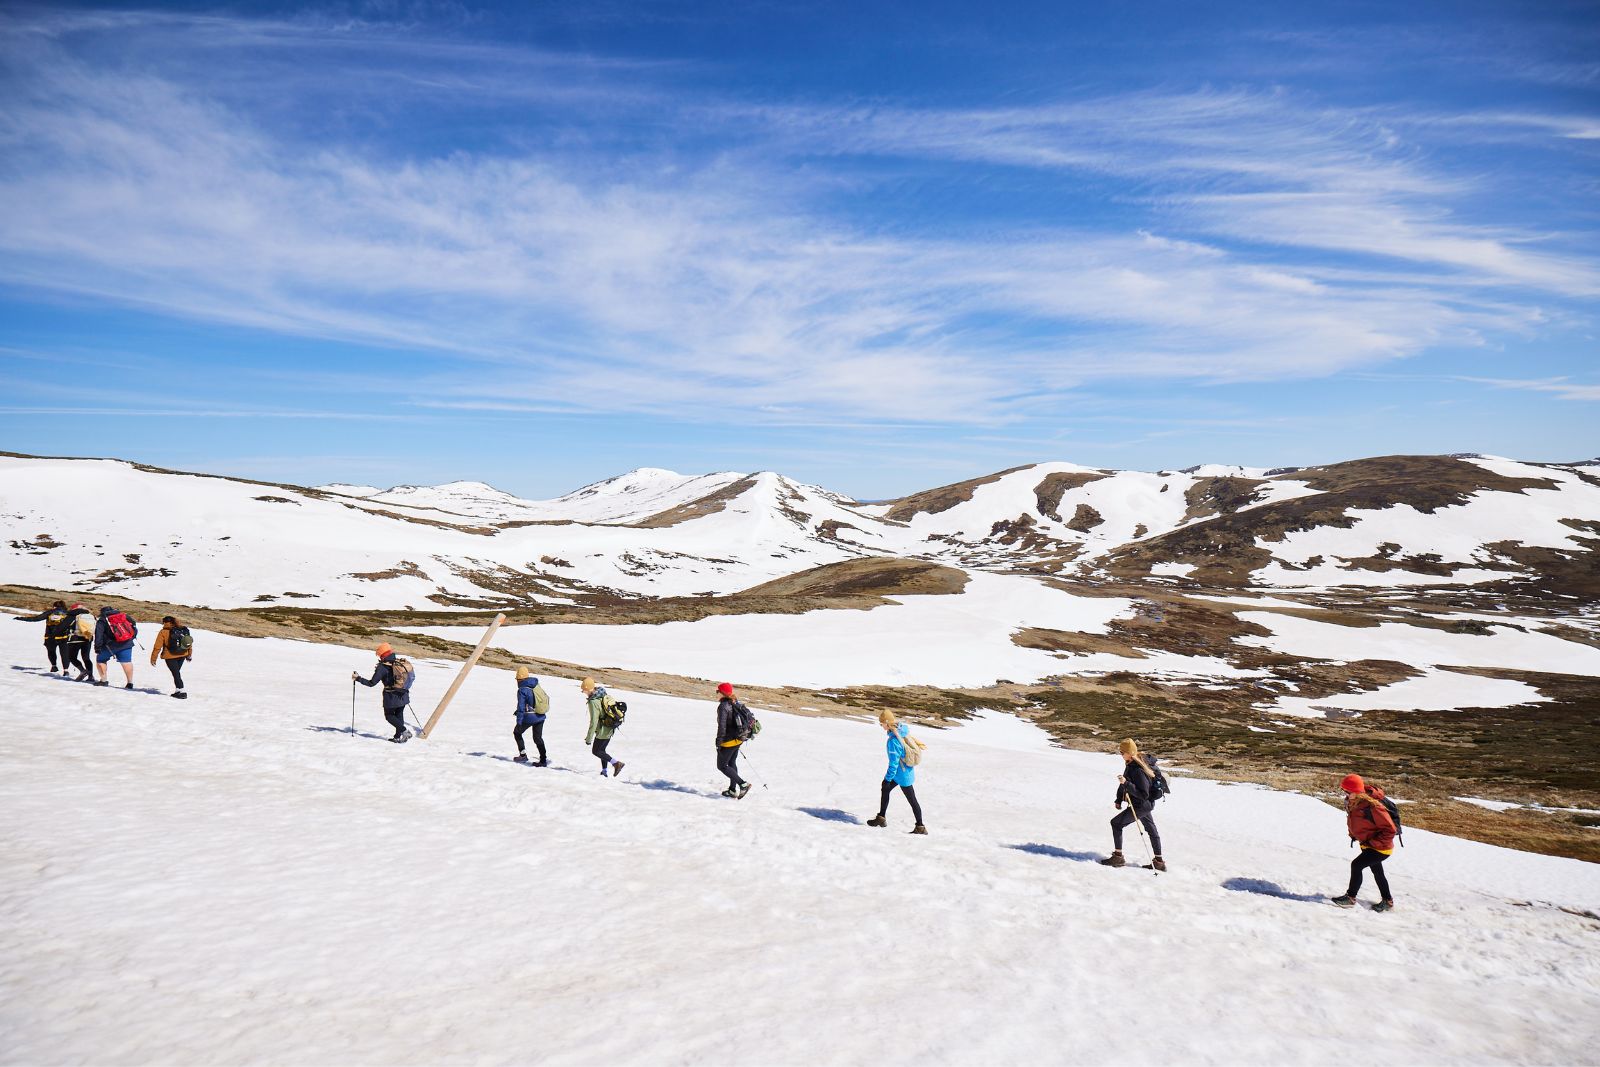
{"x": 1138, "y": 822}
{"x": 352, "y": 705}
{"x": 747, "y": 764}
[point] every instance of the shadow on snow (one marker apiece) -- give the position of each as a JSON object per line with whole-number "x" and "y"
{"x": 1058, "y": 853}
{"x": 831, "y": 815}
{"x": 1264, "y": 888}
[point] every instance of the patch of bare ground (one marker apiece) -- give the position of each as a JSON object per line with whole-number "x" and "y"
{"x": 39, "y": 545}
{"x": 1049, "y": 492}
{"x": 709, "y": 504}
{"x": 404, "y": 569}
{"x": 934, "y": 501}
{"x": 1085, "y": 518}
{"x": 1220, "y": 496}
{"x": 875, "y": 576}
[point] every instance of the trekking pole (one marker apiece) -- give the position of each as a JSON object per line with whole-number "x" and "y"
{"x": 352, "y": 705}
{"x": 747, "y": 764}
{"x": 1138, "y": 822}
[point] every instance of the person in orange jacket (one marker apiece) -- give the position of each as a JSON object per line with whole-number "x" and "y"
{"x": 174, "y": 646}
{"x": 1371, "y": 826}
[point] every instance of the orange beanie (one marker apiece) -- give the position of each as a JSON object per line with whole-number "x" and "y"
{"x": 384, "y": 650}
{"x": 1353, "y": 784}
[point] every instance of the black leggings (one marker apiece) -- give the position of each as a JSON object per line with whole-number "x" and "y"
{"x": 599, "y": 749}
{"x": 727, "y": 763}
{"x": 50, "y": 648}
{"x": 1369, "y": 858}
{"x": 1124, "y": 819}
{"x": 536, "y": 731}
{"x": 76, "y": 654}
{"x": 176, "y": 667}
{"x": 911, "y": 795}
{"x": 396, "y": 718}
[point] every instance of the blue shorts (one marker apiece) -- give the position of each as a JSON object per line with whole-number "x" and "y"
{"x": 106, "y": 655}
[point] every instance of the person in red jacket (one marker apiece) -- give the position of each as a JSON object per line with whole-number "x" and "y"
{"x": 1370, "y": 826}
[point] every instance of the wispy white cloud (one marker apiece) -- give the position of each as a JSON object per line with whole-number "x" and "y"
{"x": 585, "y": 277}
{"x": 1562, "y": 388}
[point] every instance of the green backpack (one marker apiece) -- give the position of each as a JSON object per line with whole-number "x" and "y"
{"x": 612, "y": 712}
{"x": 541, "y": 701}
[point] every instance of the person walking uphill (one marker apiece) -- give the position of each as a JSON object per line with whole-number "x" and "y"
{"x": 732, "y": 717}
{"x": 175, "y": 647}
{"x": 1370, "y": 825}
{"x": 114, "y": 635}
{"x": 904, "y": 753}
{"x": 80, "y": 640}
{"x": 605, "y": 715}
{"x": 533, "y": 704}
{"x": 55, "y": 632}
{"x": 396, "y": 674}
{"x": 1140, "y": 785}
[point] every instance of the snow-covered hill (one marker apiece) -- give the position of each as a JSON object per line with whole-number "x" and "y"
{"x": 237, "y": 879}
{"x": 1400, "y": 522}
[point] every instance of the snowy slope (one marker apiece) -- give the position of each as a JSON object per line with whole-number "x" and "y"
{"x": 233, "y": 879}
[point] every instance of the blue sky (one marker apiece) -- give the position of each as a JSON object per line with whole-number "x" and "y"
{"x": 874, "y": 246}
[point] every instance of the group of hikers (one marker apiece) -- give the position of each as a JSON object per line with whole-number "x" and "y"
{"x": 73, "y": 632}
{"x": 1372, "y": 820}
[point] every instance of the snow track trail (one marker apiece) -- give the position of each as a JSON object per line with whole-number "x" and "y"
{"x": 238, "y": 879}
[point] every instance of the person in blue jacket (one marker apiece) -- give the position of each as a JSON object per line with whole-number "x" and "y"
{"x": 107, "y": 647}
{"x": 899, "y": 773}
{"x": 532, "y": 705}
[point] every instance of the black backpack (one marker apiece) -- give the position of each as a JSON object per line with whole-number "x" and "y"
{"x": 745, "y": 723}
{"x": 180, "y": 642}
{"x": 1159, "y": 786}
{"x": 612, "y": 712}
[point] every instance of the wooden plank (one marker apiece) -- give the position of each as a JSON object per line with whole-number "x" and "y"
{"x": 461, "y": 676}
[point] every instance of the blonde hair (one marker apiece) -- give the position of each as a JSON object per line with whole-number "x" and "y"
{"x": 887, "y": 720}
{"x": 1129, "y": 750}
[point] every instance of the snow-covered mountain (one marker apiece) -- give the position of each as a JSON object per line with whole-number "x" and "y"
{"x": 1387, "y": 522}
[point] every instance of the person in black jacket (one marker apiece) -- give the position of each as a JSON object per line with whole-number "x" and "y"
{"x": 1137, "y": 787}
{"x": 730, "y": 735}
{"x": 55, "y": 632}
{"x": 76, "y": 649}
{"x": 396, "y": 692}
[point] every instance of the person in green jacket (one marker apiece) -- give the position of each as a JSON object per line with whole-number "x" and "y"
{"x": 600, "y": 733}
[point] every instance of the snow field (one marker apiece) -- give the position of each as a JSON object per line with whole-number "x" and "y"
{"x": 955, "y": 640}
{"x": 231, "y": 879}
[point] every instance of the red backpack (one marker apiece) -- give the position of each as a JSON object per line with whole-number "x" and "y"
{"x": 120, "y": 627}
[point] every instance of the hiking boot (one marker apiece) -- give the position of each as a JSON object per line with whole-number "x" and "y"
{"x": 102, "y": 683}
{"x": 729, "y": 793}
{"x": 1383, "y": 905}
{"x": 180, "y": 695}
{"x": 1158, "y": 864}
{"x": 542, "y": 763}
{"x": 128, "y": 686}
{"x": 402, "y": 737}
{"x": 1345, "y": 901}
{"x": 743, "y": 788}
{"x": 54, "y": 671}
{"x": 1114, "y": 860}
{"x": 520, "y": 757}
{"x": 616, "y": 768}
{"x": 877, "y": 820}
{"x": 920, "y": 829}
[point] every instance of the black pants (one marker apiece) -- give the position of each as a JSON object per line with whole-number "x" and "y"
{"x": 911, "y": 795}
{"x": 1369, "y": 858}
{"x": 534, "y": 730}
{"x": 599, "y": 749}
{"x": 727, "y": 763}
{"x": 396, "y": 718}
{"x": 1125, "y": 817}
{"x": 51, "y": 646}
{"x": 76, "y": 654}
{"x": 176, "y": 667}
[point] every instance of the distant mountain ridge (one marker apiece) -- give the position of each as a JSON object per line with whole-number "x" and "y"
{"x": 1394, "y": 521}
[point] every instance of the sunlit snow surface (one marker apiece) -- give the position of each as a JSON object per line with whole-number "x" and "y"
{"x": 234, "y": 879}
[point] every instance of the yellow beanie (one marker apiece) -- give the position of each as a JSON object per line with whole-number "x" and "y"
{"x": 588, "y": 685}
{"x": 522, "y": 673}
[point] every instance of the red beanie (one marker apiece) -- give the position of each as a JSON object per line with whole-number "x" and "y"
{"x": 1353, "y": 784}
{"x": 726, "y": 689}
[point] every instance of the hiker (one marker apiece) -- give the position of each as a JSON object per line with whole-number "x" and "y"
{"x": 900, "y": 773}
{"x": 731, "y": 716}
{"x": 603, "y": 723}
{"x": 114, "y": 635}
{"x": 175, "y": 646}
{"x": 396, "y": 674}
{"x": 1371, "y": 826}
{"x": 1139, "y": 784}
{"x": 80, "y": 639}
{"x": 533, "y": 704}
{"x": 55, "y": 634}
